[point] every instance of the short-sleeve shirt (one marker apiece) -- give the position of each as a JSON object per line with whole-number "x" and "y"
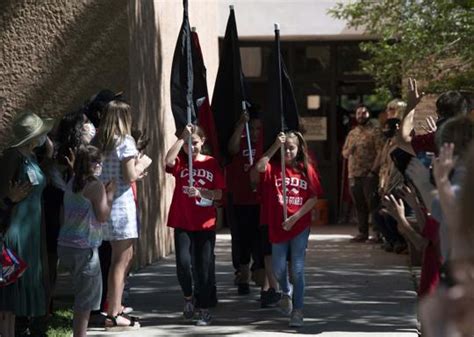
{"x": 185, "y": 212}
{"x": 122, "y": 223}
{"x": 299, "y": 188}
{"x": 238, "y": 176}
{"x": 367, "y": 141}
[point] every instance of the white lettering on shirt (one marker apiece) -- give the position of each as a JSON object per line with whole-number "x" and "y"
{"x": 199, "y": 173}
{"x": 295, "y": 201}
{"x": 293, "y": 182}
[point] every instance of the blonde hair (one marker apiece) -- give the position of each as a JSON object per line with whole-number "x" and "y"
{"x": 398, "y": 106}
{"x": 116, "y": 122}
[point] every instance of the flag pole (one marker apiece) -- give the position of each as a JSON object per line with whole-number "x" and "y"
{"x": 282, "y": 147}
{"x": 189, "y": 97}
{"x": 244, "y": 109}
{"x": 247, "y": 131}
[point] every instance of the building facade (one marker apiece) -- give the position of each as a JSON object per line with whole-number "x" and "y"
{"x": 58, "y": 53}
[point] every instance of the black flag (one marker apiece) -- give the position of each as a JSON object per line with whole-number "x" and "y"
{"x": 281, "y": 103}
{"x": 182, "y": 75}
{"x": 201, "y": 98}
{"x": 229, "y": 89}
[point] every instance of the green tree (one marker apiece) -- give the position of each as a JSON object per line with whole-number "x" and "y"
{"x": 430, "y": 40}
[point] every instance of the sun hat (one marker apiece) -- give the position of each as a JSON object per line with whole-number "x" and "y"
{"x": 27, "y": 126}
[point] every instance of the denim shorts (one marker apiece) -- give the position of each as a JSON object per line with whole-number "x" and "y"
{"x": 84, "y": 266}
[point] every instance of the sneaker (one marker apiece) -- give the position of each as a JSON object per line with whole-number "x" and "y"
{"x": 188, "y": 310}
{"x": 243, "y": 289}
{"x": 360, "y": 238}
{"x": 286, "y": 304}
{"x": 296, "y": 320}
{"x": 204, "y": 318}
{"x": 269, "y": 298}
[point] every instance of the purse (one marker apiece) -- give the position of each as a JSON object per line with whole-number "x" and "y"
{"x": 12, "y": 266}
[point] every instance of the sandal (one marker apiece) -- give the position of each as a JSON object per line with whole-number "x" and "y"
{"x": 116, "y": 326}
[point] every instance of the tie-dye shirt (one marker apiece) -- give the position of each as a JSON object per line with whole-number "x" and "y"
{"x": 81, "y": 229}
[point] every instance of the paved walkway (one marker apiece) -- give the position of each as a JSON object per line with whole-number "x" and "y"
{"x": 351, "y": 290}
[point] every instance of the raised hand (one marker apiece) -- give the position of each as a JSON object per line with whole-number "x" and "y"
{"x": 280, "y": 139}
{"x": 444, "y": 163}
{"x": 395, "y": 207}
{"x": 187, "y": 132}
{"x": 413, "y": 97}
{"x": 430, "y": 125}
{"x": 70, "y": 159}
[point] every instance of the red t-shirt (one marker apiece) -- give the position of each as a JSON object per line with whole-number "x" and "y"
{"x": 238, "y": 175}
{"x": 299, "y": 189}
{"x": 184, "y": 211}
{"x": 429, "y": 278}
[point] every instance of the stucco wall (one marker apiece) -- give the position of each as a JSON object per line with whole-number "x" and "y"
{"x": 57, "y": 53}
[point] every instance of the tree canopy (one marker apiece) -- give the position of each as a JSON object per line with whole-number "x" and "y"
{"x": 430, "y": 40}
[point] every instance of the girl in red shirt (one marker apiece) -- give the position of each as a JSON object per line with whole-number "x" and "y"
{"x": 290, "y": 235}
{"x": 193, "y": 217}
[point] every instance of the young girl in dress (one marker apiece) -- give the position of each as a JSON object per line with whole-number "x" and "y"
{"x": 290, "y": 235}
{"x": 124, "y": 164}
{"x": 193, "y": 216}
{"x": 87, "y": 204}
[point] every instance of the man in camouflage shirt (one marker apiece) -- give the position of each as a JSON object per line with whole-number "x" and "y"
{"x": 360, "y": 149}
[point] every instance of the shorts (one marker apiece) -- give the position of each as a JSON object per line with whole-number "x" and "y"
{"x": 84, "y": 266}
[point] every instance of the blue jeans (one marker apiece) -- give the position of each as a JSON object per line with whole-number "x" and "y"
{"x": 297, "y": 247}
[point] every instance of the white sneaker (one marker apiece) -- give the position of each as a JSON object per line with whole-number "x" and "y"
{"x": 296, "y": 320}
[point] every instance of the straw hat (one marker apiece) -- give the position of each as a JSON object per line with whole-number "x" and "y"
{"x": 27, "y": 126}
